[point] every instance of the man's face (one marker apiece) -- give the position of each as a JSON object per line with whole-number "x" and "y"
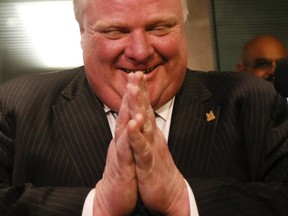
{"x": 262, "y": 58}
{"x": 124, "y": 36}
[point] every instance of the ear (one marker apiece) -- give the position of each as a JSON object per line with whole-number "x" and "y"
{"x": 240, "y": 67}
{"x": 82, "y": 38}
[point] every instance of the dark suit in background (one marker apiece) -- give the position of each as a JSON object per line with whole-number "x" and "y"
{"x": 54, "y": 138}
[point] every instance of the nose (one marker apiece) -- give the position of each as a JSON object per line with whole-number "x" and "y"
{"x": 139, "y": 48}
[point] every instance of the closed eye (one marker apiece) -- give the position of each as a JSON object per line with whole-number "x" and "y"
{"x": 114, "y": 34}
{"x": 163, "y": 26}
{"x": 160, "y": 30}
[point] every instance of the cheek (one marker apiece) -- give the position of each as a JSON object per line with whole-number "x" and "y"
{"x": 259, "y": 72}
{"x": 169, "y": 47}
{"x": 95, "y": 48}
{"x": 174, "y": 49}
{"x": 92, "y": 49}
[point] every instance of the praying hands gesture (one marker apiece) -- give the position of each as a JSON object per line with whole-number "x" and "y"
{"x": 139, "y": 162}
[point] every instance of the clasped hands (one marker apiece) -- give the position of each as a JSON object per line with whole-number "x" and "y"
{"x": 138, "y": 162}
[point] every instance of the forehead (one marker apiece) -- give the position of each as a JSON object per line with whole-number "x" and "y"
{"x": 130, "y": 9}
{"x": 267, "y": 49}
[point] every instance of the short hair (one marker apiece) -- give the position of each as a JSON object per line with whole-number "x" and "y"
{"x": 79, "y": 7}
{"x": 185, "y": 9}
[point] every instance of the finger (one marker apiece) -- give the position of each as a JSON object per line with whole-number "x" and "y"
{"x": 139, "y": 102}
{"x": 123, "y": 149}
{"x": 142, "y": 151}
{"x": 123, "y": 117}
{"x": 140, "y": 97}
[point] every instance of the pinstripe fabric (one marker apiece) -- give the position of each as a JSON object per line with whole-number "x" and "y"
{"x": 227, "y": 161}
{"x": 54, "y": 138}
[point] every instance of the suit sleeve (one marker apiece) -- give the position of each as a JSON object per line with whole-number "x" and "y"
{"x": 26, "y": 198}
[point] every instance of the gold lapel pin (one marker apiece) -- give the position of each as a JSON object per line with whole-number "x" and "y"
{"x": 210, "y": 116}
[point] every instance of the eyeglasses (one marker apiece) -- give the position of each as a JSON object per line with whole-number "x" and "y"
{"x": 263, "y": 63}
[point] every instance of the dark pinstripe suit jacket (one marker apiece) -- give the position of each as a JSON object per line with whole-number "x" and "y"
{"x": 54, "y": 138}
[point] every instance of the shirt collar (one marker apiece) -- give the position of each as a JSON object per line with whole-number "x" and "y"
{"x": 106, "y": 109}
{"x": 162, "y": 112}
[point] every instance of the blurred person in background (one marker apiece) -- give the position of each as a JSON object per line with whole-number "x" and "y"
{"x": 260, "y": 56}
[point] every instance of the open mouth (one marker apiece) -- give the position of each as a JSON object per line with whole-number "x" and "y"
{"x": 143, "y": 71}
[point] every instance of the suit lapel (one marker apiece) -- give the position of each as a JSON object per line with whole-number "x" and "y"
{"x": 191, "y": 143}
{"x": 84, "y": 128}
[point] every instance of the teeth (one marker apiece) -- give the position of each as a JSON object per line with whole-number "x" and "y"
{"x": 144, "y": 71}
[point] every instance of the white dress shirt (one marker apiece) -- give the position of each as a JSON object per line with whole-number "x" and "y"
{"x": 163, "y": 120}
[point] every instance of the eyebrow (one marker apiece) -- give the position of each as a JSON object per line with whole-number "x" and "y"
{"x": 167, "y": 20}
{"x": 171, "y": 21}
